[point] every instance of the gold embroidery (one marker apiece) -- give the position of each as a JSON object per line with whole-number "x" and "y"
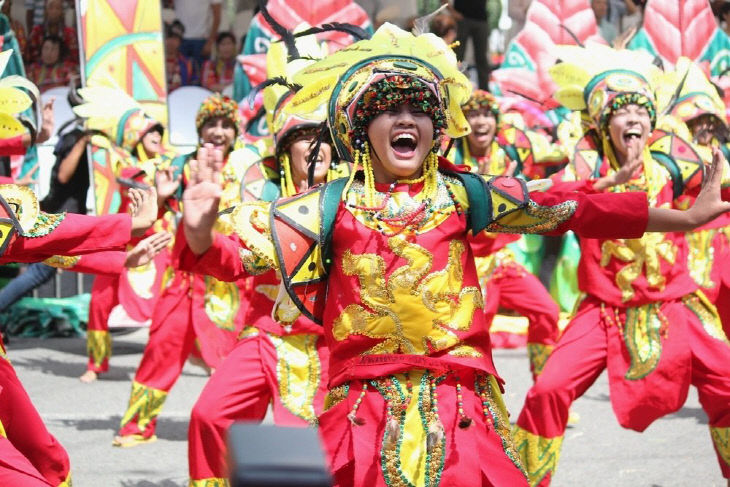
{"x": 534, "y": 218}
{"x": 62, "y": 261}
{"x": 639, "y": 254}
{"x": 145, "y": 404}
{"x": 2, "y": 430}
{"x": 642, "y": 335}
{"x": 252, "y": 263}
{"x": 706, "y": 312}
{"x": 45, "y": 224}
{"x": 539, "y": 455}
{"x": 406, "y": 458}
{"x": 222, "y": 300}
{"x": 721, "y": 438}
{"x": 248, "y": 331}
{"x": 298, "y": 372}
{"x": 412, "y": 311}
{"x": 336, "y": 395}
{"x": 211, "y": 482}
{"x": 98, "y": 346}
{"x": 701, "y": 256}
{"x": 538, "y": 354}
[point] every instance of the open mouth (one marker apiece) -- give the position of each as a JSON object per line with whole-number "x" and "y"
{"x": 404, "y": 144}
{"x": 631, "y": 135}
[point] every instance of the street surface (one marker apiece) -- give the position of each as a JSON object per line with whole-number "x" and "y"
{"x": 674, "y": 451}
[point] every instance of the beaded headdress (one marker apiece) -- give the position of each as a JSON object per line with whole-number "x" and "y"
{"x": 482, "y": 99}
{"x": 217, "y": 105}
{"x": 600, "y": 80}
{"x": 415, "y": 69}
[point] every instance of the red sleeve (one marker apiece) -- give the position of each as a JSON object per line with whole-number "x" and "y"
{"x": 222, "y": 260}
{"x": 600, "y": 215}
{"x": 108, "y": 262}
{"x": 12, "y": 146}
{"x": 75, "y": 235}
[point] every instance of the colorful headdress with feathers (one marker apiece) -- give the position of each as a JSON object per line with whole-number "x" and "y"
{"x": 694, "y": 95}
{"x": 600, "y": 80}
{"x": 345, "y": 77}
{"x": 110, "y": 110}
{"x": 14, "y": 100}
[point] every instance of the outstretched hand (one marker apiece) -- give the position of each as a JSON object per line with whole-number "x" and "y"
{"x": 709, "y": 204}
{"x": 202, "y": 197}
{"x": 143, "y": 208}
{"x": 147, "y": 249}
{"x": 166, "y": 184}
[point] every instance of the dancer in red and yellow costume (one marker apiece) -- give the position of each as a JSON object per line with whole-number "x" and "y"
{"x": 29, "y": 454}
{"x": 505, "y": 282}
{"x": 642, "y": 317}
{"x": 193, "y": 309}
{"x": 281, "y": 365}
{"x": 135, "y": 140}
{"x": 382, "y": 260}
{"x": 696, "y": 103}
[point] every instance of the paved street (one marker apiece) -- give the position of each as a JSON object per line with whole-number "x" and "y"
{"x": 675, "y": 451}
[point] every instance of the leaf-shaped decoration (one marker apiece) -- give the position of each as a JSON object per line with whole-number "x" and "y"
{"x": 683, "y": 28}
{"x": 549, "y": 23}
{"x": 13, "y": 100}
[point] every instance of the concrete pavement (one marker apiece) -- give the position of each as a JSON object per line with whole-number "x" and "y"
{"x": 675, "y": 451}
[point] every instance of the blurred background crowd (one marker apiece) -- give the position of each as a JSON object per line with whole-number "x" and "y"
{"x": 203, "y": 37}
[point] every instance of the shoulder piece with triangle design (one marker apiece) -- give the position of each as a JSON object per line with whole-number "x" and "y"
{"x": 679, "y": 158}
{"x": 301, "y": 231}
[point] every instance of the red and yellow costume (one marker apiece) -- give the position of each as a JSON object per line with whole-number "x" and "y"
{"x": 134, "y": 290}
{"x": 285, "y": 366}
{"x": 642, "y": 318}
{"x": 29, "y": 454}
{"x": 413, "y": 390}
{"x": 709, "y": 245}
{"x": 505, "y": 282}
{"x": 193, "y": 309}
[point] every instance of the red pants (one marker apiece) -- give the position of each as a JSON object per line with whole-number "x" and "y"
{"x": 512, "y": 287}
{"x": 29, "y": 454}
{"x": 104, "y": 298}
{"x": 253, "y": 376}
{"x": 593, "y": 342}
{"x": 376, "y": 430}
{"x": 176, "y": 324}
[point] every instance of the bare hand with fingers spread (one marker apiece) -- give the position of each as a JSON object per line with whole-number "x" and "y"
{"x": 147, "y": 249}
{"x": 143, "y": 208}
{"x": 202, "y": 197}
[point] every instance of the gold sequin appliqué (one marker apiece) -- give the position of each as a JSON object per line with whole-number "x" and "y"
{"x": 539, "y": 455}
{"x": 298, "y": 372}
{"x": 414, "y": 311}
{"x": 639, "y": 254}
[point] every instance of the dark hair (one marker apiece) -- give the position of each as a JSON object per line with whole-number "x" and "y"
{"x": 225, "y": 35}
{"x": 175, "y": 29}
{"x": 724, "y": 9}
{"x": 59, "y": 42}
{"x": 442, "y": 24}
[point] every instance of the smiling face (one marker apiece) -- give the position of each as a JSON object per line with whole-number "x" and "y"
{"x": 220, "y": 132}
{"x": 299, "y": 152}
{"x": 400, "y": 139}
{"x": 152, "y": 143}
{"x": 483, "y": 127}
{"x": 629, "y": 126}
{"x": 703, "y": 128}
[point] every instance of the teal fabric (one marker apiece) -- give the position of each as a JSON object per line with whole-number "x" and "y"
{"x": 48, "y": 317}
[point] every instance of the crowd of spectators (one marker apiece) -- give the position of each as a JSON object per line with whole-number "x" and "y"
{"x": 202, "y": 39}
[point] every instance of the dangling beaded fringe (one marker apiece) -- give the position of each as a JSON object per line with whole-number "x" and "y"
{"x": 435, "y": 434}
{"x": 352, "y": 415}
{"x": 464, "y": 420}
